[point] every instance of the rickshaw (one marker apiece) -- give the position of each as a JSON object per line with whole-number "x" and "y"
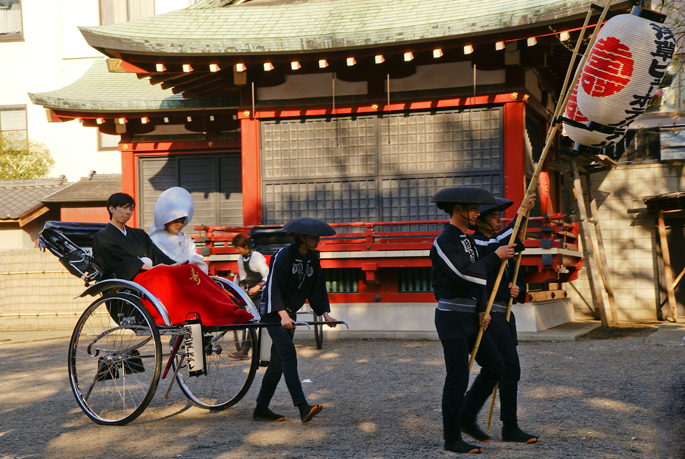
{"x": 118, "y": 354}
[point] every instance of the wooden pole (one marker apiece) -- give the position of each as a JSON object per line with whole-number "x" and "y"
{"x": 666, "y": 255}
{"x": 589, "y": 260}
{"x": 561, "y": 107}
{"x": 677, "y": 279}
{"x": 524, "y": 230}
{"x": 603, "y": 265}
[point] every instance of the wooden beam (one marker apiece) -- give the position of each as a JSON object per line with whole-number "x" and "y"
{"x": 514, "y": 154}
{"x": 185, "y": 79}
{"x": 197, "y": 91}
{"x": 603, "y": 265}
{"x": 29, "y": 218}
{"x": 196, "y": 84}
{"x": 677, "y": 280}
{"x": 162, "y": 77}
{"x": 668, "y": 272}
{"x": 121, "y": 66}
{"x": 252, "y": 198}
{"x": 590, "y": 263}
{"x": 546, "y": 295}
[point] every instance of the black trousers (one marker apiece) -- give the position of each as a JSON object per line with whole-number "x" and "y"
{"x": 454, "y": 402}
{"x": 503, "y": 335}
{"x": 283, "y": 362}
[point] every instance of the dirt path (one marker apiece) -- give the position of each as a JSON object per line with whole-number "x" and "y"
{"x": 586, "y": 399}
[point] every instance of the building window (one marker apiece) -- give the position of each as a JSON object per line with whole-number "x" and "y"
{"x": 13, "y": 123}
{"x": 116, "y": 11}
{"x": 10, "y": 20}
{"x": 107, "y": 142}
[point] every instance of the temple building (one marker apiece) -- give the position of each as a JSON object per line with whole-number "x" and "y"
{"x": 354, "y": 112}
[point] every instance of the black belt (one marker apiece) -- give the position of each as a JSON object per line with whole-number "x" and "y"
{"x": 457, "y": 304}
{"x": 499, "y": 306}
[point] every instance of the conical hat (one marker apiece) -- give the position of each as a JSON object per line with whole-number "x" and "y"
{"x": 309, "y": 226}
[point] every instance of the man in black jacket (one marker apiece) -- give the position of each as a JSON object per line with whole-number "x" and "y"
{"x": 123, "y": 251}
{"x": 295, "y": 276}
{"x": 459, "y": 275}
{"x": 489, "y": 236}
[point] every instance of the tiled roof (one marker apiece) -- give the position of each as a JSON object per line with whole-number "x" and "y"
{"x": 19, "y": 198}
{"x": 100, "y": 90}
{"x": 94, "y": 188}
{"x": 283, "y": 26}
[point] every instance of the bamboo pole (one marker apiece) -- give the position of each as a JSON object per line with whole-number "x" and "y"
{"x": 561, "y": 107}
{"x": 524, "y": 230}
{"x": 603, "y": 264}
{"x": 668, "y": 272}
{"x": 589, "y": 259}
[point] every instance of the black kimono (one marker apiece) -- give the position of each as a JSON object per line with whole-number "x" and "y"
{"x": 293, "y": 279}
{"x": 503, "y": 333}
{"x": 120, "y": 255}
{"x": 459, "y": 281}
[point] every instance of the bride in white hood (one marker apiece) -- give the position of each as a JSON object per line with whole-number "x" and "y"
{"x": 173, "y": 211}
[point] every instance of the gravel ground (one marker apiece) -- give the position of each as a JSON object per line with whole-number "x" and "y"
{"x": 586, "y": 399}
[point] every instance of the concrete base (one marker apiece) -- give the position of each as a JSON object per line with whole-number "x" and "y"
{"x": 668, "y": 334}
{"x": 382, "y": 320}
{"x": 416, "y": 320}
{"x": 535, "y": 317}
{"x": 569, "y": 331}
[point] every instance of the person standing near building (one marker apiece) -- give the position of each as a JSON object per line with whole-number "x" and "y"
{"x": 295, "y": 277}
{"x": 252, "y": 272}
{"x": 459, "y": 276}
{"x": 489, "y": 236}
{"x": 252, "y": 268}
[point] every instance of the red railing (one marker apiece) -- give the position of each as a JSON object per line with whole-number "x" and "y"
{"x": 550, "y": 228}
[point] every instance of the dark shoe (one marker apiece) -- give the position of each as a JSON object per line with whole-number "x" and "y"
{"x": 471, "y": 429}
{"x": 263, "y": 413}
{"x": 512, "y": 433}
{"x": 307, "y": 411}
{"x": 239, "y": 356}
{"x": 462, "y": 447}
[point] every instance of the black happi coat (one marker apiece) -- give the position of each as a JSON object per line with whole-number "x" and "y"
{"x": 459, "y": 272}
{"x": 119, "y": 255}
{"x": 487, "y": 245}
{"x": 294, "y": 279}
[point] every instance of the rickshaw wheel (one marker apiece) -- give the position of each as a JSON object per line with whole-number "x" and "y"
{"x": 115, "y": 359}
{"x": 226, "y": 379}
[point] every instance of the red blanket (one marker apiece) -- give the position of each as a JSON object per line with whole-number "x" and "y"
{"x": 184, "y": 289}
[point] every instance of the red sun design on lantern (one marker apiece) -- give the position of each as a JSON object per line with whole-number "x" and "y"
{"x": 608, "y": 68}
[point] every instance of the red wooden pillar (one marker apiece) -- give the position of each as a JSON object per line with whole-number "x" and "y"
{"x": 129, "y": 174}
{"x": 514, "y": 154}
{"x": 251, "y": 173}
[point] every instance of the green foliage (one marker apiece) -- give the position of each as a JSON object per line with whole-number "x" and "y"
{"x": 23, "y": 160}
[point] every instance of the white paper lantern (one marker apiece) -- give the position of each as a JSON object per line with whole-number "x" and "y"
{"x": 588, "y": 138}
{"x": 625, "y": 67}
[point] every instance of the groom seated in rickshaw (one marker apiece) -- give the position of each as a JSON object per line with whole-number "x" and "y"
{"x": 129, "y": 253}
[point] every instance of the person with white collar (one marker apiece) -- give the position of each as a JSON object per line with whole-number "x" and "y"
{"x": 173, "y": 211}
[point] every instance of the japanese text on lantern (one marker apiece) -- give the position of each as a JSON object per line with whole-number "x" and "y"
{"x": 608, "y": 68}
{"x": 664, "y": 47}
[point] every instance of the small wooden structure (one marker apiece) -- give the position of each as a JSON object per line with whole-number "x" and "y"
{"x": 669, "y": 204}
